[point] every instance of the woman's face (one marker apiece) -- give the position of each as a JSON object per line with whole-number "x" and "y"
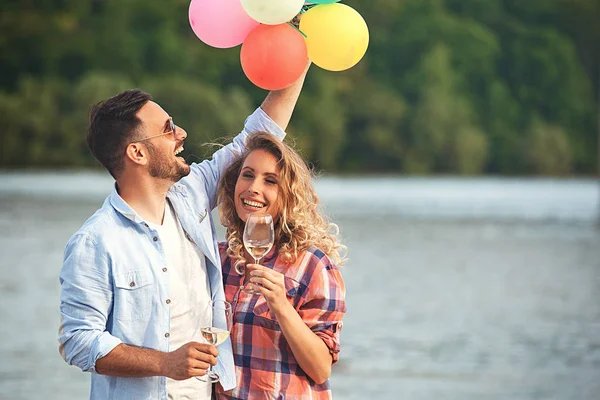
{"x": 257, "y": 186}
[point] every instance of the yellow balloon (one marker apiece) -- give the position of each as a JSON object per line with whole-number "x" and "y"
{"x": 337, "y": 36}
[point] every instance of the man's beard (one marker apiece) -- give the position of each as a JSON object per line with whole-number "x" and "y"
{"x": 162, "y": 168}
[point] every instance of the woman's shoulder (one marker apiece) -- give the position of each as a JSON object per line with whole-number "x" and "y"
{"x": 314, "y": 260}
{"x": 318, "y": 272}
{"x": 319, "y": 255}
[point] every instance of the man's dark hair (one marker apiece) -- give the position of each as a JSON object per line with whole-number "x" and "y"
{"x": 113, "y": 125}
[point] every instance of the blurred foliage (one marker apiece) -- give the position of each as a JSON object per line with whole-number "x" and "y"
{"x": 447, "y": 86}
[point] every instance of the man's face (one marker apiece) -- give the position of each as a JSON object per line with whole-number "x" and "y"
{"x": 163, "y": 149}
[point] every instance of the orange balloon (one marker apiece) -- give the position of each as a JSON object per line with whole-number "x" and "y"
{"x": 273, "y": 57}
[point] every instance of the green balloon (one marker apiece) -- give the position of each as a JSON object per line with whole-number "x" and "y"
{"x": 323, "y": 1}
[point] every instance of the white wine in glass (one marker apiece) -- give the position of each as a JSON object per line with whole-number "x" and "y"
{"x": 216, "y": 336}
{"x": 259, "y": 235}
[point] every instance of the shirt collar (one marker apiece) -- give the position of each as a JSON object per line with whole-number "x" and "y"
{"x": 122, "y": 207}
{"x": 177, "y": 187}
{"x": 125, "y": 209}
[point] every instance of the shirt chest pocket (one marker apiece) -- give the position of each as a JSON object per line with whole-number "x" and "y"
{"x": 133, "y": 295}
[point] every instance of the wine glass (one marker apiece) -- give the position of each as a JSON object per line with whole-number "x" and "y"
{"x": 214, "y": 335}
{"x": 259, "y": 236}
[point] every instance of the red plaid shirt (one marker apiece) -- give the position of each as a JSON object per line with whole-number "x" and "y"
{"x": 265, "y": 365}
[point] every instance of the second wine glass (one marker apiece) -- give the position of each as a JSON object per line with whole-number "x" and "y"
{"x": 259, "y": 235}
{"x": 213, "y": 335}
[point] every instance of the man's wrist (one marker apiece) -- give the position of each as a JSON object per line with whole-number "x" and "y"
{"x": 163, "y": 363}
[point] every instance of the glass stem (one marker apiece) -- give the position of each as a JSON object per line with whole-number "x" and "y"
{"x": 256, "y": 261}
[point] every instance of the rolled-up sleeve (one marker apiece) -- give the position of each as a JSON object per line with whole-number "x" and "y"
{"x": 325, "y": 305}
{"x": 85, "y": 303}
{"x": 260, "y": 121}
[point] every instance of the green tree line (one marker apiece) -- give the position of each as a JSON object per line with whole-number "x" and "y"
{"x": 447, "y": 86}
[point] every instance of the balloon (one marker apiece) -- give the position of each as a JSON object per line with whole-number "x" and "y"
{"x": 272, "y": 12}
{"x": 274, "y": 56}
{"x": 220, "y": 23}
{"x": 322, "y": 1}
{"x": 337, "y": 36}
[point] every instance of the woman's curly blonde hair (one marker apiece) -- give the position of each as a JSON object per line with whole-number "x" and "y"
{"x": 300, "y": 224}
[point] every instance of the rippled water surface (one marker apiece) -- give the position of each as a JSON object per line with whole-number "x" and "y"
{"x": 457, "y": 289}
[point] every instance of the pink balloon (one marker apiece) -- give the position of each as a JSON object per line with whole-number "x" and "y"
{"x": 220, "y": 23}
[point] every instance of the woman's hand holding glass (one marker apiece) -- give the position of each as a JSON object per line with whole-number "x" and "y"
{"x": 271, "y": 284}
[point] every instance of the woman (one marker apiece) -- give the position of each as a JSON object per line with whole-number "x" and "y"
{"x": 285, "y": 339}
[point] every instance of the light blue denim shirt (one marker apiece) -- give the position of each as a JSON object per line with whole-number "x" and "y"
{"x": 115, "y": 282}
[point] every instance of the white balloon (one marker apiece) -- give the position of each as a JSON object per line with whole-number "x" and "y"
{"x": 272, "y": 12}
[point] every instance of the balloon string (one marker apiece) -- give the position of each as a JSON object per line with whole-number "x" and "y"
{"x": 295, "y": 23}
{"x": 298, "y": 29}
{"x": 307, "y": 7}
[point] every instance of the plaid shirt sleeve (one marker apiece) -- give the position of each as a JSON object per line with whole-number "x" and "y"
{"x": 323, "y": 303}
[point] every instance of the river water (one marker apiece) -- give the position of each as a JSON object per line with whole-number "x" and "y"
{"x": 458, "y": 289}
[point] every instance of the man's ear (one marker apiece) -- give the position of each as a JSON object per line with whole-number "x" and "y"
{"x": 137, "y": 153}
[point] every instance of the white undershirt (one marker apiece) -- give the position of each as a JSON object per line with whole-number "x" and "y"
{"x": 189, "y": 299}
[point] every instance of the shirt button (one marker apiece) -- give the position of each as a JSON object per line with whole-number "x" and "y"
{"x": 155, "y": 238}
{"x": 165, "y": 269}
{"x": 167, "y": 335}
{"x": 146, "y": 225}
{"x": 168, "y": 301}
{"x": 132, "y": 284}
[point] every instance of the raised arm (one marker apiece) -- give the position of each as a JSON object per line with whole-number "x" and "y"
{"x": 272, "y": 116}
{"x": 280, "y": 104}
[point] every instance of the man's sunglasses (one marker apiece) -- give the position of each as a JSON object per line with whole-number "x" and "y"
{"x": 170, "y": 131}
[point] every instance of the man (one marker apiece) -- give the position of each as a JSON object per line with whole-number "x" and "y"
{"x": 139, "y": 270}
